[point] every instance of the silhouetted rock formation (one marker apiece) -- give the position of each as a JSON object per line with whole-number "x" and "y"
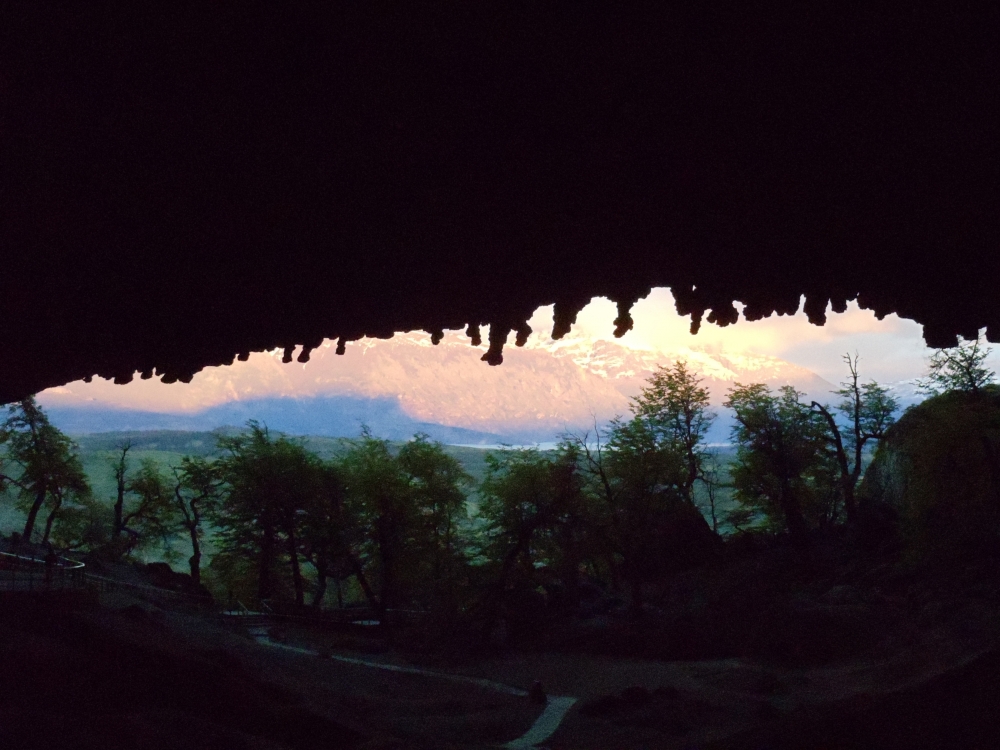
{"x": 192, "y": 183}
{"x": 937, "y": 474}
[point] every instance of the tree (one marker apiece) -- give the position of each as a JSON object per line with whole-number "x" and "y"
{"x": 120, "y": 470}
{"x": 437, "y": 485}
{"x": 82, "y": 525}
{"x": 377, "y": 494}
{"x": 197, "y": 491}
{"x": 646, "y": 472}
{"x": 869, "y": 410}
{"x": 711, "y": 475}
{"x": 645, "y": 480}
{"x": 959, "y": 368}
{"x": 520, "y": 507}
{"x": 782, "y": 467}
{"x": 576, "y": 535}
{"x": 674, "y": 404}
{"x": 149, "y": 515}
{"x": 269, "y": 484}
{"x": 46, "y": 468}
{"x": 646, "y": 526}
{"x": 330, "y": 534}
{"x": 148, "y": 506}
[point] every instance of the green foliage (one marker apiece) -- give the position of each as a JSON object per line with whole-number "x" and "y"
{"x": 782, "y": 468}
{"x": 645, "y": 476}
{"x": 197, "y": 493}
{"x": 873, "y": 407}
{"x": 84, "y": 524}
{"x": 268, "y": 482}
{"x": 540, "y": 521}
{"x": 653, "y": 462}
{"x": 437, "y": 484}
{"x": 675, "y": 408}
{"x": 518, "y": 502}
{"x": 866, "y": 411}
{"x": 378, "y": 497}
{"x": 868, "y": 408}
{"x": 640, "y": 464}
{"x": 198, "y": 482}
{"x": 393, "y": 520}
{"x": 647, "y": 503}
{"x": 149, "y": 516}
{"x": 41, "y": 464}
{"x": 959, "y": 368}
{"x": 390, "y": 521}
{"x": 330, "y": 534}
{"x": 232, "y": 578}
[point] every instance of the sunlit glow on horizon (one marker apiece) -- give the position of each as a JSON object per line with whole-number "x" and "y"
{"x": 891, "y": 350}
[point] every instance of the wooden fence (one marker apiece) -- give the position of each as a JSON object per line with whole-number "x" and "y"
{"x": 25, "y": 573}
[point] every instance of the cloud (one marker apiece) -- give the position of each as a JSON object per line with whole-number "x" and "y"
{"x": 891, "y": 349}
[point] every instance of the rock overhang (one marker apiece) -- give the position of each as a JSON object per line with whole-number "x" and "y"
{"x": 185, "y": 187}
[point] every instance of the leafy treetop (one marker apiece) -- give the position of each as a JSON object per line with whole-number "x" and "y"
{"x": 960, "y": 368}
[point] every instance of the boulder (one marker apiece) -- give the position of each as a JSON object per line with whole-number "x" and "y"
{"x": 937, "y": 472}
{"x": 676, "y": 538}
{"x": 536, "y": 694}
{"x": 163, "y": 576}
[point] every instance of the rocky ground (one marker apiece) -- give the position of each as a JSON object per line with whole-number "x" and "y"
{"x": 904, "y": 658}
{"x": 124, "y": 673}
{"x": 847, "y": 653}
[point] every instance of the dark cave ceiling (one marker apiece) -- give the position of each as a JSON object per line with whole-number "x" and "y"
{"x": 182, "y": 183}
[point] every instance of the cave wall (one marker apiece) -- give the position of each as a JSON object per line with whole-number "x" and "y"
{"x": 183, "y": 184}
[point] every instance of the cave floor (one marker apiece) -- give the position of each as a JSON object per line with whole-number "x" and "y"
{"x": 939, "y": 670}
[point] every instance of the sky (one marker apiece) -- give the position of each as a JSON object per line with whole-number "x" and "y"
{"x": 890, "y": 350}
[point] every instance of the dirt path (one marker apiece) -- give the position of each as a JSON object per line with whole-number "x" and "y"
{"x": 543, "y": 727}
{"x": 483, "y": 703}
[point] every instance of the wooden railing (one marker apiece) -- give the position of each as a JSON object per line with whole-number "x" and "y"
{"x": 25, "y": 573}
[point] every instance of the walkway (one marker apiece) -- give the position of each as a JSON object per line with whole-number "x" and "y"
{"x": 543, "y": 728}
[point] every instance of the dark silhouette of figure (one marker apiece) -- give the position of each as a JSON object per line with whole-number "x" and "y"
{"x": 51, "y": 559}
{"x": 536, "y": 694}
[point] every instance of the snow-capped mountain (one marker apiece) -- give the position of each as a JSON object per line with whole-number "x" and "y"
{"x": 906, "y": 392}
{"x": 541, "y": 389}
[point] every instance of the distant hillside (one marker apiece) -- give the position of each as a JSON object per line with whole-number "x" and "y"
{"x": 170, "y": 441}
{"x": 168, "y": 446}
{"x": 334, "y": 416}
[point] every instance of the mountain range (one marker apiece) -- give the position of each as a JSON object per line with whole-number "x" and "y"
{"x": 405, "y": 384}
